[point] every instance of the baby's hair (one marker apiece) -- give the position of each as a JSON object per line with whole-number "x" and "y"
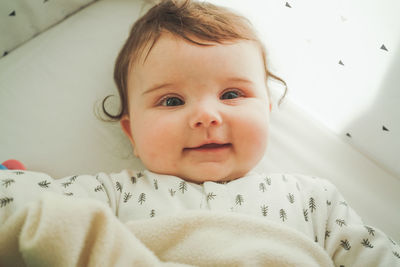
{"x": 182, "y": 18}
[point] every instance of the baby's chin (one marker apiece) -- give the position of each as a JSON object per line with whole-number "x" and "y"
{"x": 202, "y": 176}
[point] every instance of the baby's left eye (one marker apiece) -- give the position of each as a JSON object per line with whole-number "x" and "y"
{"x": 231, "y": 94}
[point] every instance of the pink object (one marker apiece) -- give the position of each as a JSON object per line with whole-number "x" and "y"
{"x": 13, "y": 164}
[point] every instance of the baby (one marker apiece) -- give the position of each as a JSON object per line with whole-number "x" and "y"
{"x": 192, "y": 79}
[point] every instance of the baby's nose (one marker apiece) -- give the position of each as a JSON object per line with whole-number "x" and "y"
{"x": 205, "y": 116}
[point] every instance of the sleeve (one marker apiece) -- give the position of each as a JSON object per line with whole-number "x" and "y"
{"x": 18, "y": 188}
{"x": 349, "y": 242}
{"x": 57, "y": 230}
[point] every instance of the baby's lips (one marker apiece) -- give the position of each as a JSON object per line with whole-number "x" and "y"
{"x": 210, "y": 144}
{"x": 213, "y": 145}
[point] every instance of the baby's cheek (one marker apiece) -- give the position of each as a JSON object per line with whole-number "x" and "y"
{"x": 252, "y": 131}
{"x": 158, "y": 138}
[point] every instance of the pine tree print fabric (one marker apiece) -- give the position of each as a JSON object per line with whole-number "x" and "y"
{"x": 310, "y": 205}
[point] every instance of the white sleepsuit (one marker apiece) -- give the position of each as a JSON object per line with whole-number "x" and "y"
{"x": 310, "y": 205}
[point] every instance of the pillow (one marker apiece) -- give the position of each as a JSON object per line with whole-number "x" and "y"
{"x": 21, "y": 20}
{"x": 49, "y": 88}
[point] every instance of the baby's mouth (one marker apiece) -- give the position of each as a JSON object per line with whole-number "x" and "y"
{"x": 213, "y": 145}
{"x": 210, "y": 147}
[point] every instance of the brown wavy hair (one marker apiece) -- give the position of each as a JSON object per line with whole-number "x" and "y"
{"x": 182, "y": 18}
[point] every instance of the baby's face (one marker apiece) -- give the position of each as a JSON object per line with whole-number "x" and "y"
{"x": 185, "y": 96}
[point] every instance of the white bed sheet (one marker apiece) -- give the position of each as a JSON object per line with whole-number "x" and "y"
{"x": 49, "y": 85}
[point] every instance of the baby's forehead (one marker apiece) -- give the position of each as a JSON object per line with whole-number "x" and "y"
{"x": 172, "y": 56}
{"x": 168, "y": 42}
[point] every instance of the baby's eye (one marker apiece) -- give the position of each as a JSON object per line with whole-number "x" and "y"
{"x": 231, "y": 94}
{"x": 171, "y": 101}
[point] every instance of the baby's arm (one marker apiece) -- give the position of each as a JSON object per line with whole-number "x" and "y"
{"x": 350, "y": 242}
{"x": 17, "y": 188}
{"x": 22, "y": 212}
{"x": 73, "y": 227}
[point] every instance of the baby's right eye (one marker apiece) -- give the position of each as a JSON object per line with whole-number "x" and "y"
{"x": 171, "y": 101}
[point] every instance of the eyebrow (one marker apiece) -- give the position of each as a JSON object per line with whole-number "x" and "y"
{"x": 230, "y": 79}
{"x": 156, "y": 87}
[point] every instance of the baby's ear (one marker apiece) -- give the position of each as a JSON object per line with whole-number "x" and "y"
{"x": 126, "y": 128}
{"x": 126, "y": 125}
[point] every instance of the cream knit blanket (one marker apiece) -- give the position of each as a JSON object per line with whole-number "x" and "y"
{"x": 62, "y": 231}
